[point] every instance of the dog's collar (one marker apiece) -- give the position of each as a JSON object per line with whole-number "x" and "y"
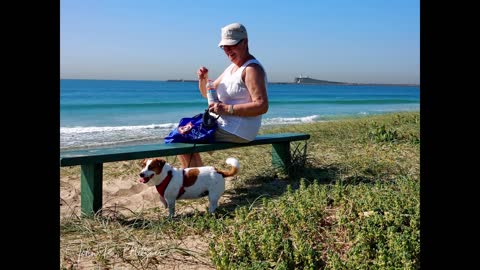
{"x": 163, "y": 185}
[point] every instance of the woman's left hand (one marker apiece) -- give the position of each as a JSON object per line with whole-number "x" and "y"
{"x": 218, "y": 108}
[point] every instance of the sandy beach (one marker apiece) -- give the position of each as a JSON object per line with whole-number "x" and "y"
{"x": 336, "y": 150}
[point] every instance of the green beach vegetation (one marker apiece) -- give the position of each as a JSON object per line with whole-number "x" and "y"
{"x": 352, "y": 203}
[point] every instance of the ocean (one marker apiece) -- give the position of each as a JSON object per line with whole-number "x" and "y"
{"x": 102, "y": 113}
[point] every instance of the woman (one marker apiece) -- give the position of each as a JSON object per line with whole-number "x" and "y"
{"x": 241, "y": 89}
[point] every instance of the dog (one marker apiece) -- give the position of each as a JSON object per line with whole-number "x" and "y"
{"x": 189, "y": 183}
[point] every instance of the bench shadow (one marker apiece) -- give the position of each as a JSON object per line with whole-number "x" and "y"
{"x": 271, "y": 187}
{"x": 251, "y": 191}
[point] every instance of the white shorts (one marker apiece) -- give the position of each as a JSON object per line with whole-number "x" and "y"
{"x": 225, "y": 136}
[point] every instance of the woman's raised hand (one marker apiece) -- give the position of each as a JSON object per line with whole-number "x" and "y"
{"x": 202, "y": 73}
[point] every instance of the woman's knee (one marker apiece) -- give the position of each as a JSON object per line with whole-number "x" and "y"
{"x": 191, "y": 160}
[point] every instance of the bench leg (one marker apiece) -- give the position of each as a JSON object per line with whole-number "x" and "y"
{"x": 91, "y": 188}
{"x": 281, "y": 155}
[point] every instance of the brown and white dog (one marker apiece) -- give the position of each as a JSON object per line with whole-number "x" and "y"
{"x": 189, "y": 183}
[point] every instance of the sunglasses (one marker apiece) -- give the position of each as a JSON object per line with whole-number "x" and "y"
{"x": 223, "y": 47}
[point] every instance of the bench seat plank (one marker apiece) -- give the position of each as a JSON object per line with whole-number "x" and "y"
{"x": 102, "y": 155}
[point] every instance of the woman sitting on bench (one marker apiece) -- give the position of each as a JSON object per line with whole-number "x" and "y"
{"x": 241, "y": 89}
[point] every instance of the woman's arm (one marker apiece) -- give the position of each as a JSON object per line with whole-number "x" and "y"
{"x": 255, "y": 81}
{"x": 202, "y": 74}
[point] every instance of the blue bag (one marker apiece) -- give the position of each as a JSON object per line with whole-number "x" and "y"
{"x": 197, "y": 129}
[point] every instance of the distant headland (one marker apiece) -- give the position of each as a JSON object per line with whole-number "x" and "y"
{"x": 307, "y": 80}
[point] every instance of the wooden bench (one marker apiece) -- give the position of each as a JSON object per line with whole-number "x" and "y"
{"x": 91, "y": 160}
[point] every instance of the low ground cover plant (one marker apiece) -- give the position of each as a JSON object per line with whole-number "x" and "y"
{"x": 352, "y": 203}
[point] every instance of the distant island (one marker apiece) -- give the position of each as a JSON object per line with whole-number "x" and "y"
{"x": 307, "y": 80}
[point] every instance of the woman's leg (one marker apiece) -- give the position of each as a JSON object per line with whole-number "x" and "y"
{"x": 190, "y": 160}
{"x": 220, "y": 136}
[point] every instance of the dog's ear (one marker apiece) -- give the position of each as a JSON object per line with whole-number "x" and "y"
{"x": 159, "y": 161}
{"x": 158, "y": 164}
{"x": 143, "y": 162}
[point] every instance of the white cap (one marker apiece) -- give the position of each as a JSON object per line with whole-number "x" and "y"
{"x": 232, "y": 34}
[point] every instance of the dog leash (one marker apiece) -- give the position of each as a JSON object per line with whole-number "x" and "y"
{"x": 208, "y": 120}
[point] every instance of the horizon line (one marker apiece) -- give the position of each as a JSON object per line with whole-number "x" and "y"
{"x": 276, "y": 82}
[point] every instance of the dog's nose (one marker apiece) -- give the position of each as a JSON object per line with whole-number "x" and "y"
{"x": 141, "y": 174}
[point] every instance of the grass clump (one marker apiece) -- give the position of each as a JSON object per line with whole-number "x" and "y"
{"x": 351, "y": 203}
{"x": 375, "y": 226}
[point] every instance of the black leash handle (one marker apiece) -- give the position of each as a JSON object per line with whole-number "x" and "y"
{"x": 208, "y": 121}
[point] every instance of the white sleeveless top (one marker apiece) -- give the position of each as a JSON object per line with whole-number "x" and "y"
{"x": 232, "y": 90}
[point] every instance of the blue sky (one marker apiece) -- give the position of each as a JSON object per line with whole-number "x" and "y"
{"x": 368, "y": 41}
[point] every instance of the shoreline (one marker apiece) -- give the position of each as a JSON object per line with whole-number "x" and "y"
{"x": 263, "y": 128}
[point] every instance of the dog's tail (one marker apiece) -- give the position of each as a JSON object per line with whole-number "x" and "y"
{"x": 233, "y": 170}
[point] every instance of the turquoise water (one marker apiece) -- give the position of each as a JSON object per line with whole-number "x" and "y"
{"x": 97, "y": 113}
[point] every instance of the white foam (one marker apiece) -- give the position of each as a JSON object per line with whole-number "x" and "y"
{"x": 79, "y": 137}
{"x": 291, "y": 120}
{"x": 77, "y": 130}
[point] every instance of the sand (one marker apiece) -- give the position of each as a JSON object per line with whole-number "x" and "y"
{"x": 126, "y": 192}
{"x": 123, "y": 194}
{"x": 120, "y": 192}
